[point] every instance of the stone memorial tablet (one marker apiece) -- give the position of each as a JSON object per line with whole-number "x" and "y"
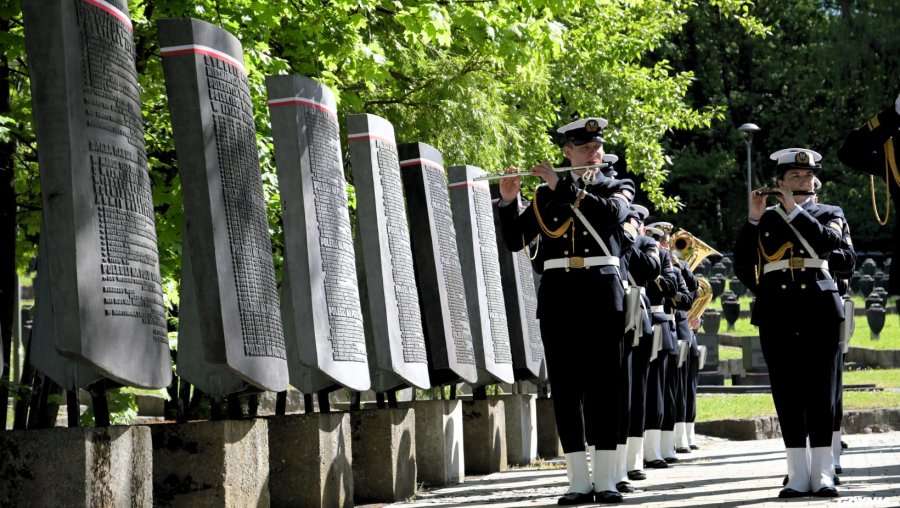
{"x": 438, "y": 273}
{"x": 477, "y": 242}
{"x": 393, "y": 319}
{"x": 102, "y": 300}
{"x": 320, "y": 307}
{"x": 520, "y": 298}
{"x": 230, "y": 325}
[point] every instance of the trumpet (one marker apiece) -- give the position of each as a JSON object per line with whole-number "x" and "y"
{"x": 562, "y": 169}
{"x": 771, "y": 191}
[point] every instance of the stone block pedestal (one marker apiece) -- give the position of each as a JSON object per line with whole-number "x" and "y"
{"x": 86, "y": 466}
{"x": 384, "y": 455}
{"x": 521, "y": 428}
{"x": 309, "y": 460}
{"x": 548, "y": 445}
{"x": 484, "y": 436}
{"x": 439, "y": 442}
{"x": 212, "y": 463}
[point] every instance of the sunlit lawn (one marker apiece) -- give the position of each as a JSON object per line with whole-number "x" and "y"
{"x": 719, "y": 407}
{"x": 889, "y": 336}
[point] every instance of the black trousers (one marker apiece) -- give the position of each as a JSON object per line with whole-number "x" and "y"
{"x": 640, "y": 368}
{"x": 656, "y": 384}
{"x": 804, "y": 397}
{"x": 839, "y": 392}
{"x": 693, "y": 380}
{"x": 584, "y": 370}
{"x": 626, "y": 373}
{"x": 670, "y": 392}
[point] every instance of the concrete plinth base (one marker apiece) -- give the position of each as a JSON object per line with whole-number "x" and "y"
{"x": 484, "y": 436}
{"x": 712, "y": 379}
{"x": 439, "y": 442}
{"x": 384, "y": 455}
{"x": 521, "y": 428}
{"x": 110, "y": 466}
{"x": 214, "y": 463}
{"x": 309, "y": 460}
{"x": 548, "y": 445}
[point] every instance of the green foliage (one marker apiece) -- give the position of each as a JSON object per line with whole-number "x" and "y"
{"x": 123, "y": 408}
{"x": 730, "y": 353}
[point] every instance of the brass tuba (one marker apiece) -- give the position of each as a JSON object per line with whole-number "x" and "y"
{"x": 692, "y": 250}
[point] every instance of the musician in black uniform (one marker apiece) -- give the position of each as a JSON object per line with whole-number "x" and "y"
{"x": 782, "y": 256}
{"x": 693, "y": 377}
{"x": 641, "y": 274}
{"x": 580, "y": 281}
{"x": 842, "y": 264}
{"x": 683, "y": 302}
{"x": 870, "y": 148}
{"x": 663, "y": 289}
{"x": 642, "y": 266}
{"x": 674, "y": 393}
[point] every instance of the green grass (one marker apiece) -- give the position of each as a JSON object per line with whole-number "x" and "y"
{"x": 730, "y": 353}
{"x": 719, "y": 407}
{"x": 883, "y": 378}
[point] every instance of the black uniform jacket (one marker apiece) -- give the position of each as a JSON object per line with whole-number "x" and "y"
{"x": 785, "y": 294}
{"x": 562, "y": 235}
{"x": 643, "y": 263}
{"x": 687, "y": 290}
{"x": 870, "y": 148}
{"x": 661, "y": 290}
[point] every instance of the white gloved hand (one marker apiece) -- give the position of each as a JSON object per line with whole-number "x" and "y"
{"x": 897, "y": 105}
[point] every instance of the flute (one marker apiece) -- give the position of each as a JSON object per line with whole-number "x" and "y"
{"x": 770, "y": 191}
{"x": 528, "y": 173}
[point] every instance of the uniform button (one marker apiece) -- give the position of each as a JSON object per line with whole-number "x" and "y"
{"x": 567, "y": 269}
{"x": 766, "y": 233}
{"x": 584, "y": 233}
{"x": 566, "y": 252}
{"x": 587, "y": 250}
{"x": 784, "y": 269}
{"x": 802, "y": 251}
{"x": 555, "y": 219}
{"x": 566, "y": 235}
{"x": 802, "y": 286}
{"x": 803, "y": 269}
{"x": 783, "y": 286}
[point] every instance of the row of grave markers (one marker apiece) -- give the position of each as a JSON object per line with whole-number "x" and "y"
{"x": 422, "y": 295}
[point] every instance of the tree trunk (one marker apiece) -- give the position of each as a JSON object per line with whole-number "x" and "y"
{"x": 8, "y": 285}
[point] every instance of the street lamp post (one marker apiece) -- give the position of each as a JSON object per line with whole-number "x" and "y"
{"x": 748, "y": 129}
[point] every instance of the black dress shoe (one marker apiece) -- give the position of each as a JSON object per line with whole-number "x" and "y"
{"x": 573, "y": 498}
{"x": 837, "y": 481}
{"x": 607, "y": 497}
{"x": 694, "y": 447}
{"x": 625, "y": 487}
{"x": 838, "y": 470}
{"x": 656, "y": 464}
{"x": 637, "y": 474}
{"x": 682, "y": 450}
{"x": 671, "y": 460}
{"x": 826, "y": 492}
{"x": 784, "y": 482}
{"x": 788, "y": 493}
{"x": 844, "y": 445}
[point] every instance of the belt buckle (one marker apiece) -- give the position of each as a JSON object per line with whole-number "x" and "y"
{"x": 576, "y": 262}
{"x": 797, "y": 263}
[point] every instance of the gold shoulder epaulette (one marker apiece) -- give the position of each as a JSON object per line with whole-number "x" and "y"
{"x": 873, "y": 123}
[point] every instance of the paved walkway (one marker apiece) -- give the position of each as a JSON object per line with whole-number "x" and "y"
{"x": 722, "y": 473}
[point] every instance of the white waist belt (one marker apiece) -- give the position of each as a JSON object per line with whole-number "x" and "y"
{"x": 796, "y": 263}
{"x": 670, "y": 317}
{"x": 579, "y": 262}
{"x": 658, "y": 308}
